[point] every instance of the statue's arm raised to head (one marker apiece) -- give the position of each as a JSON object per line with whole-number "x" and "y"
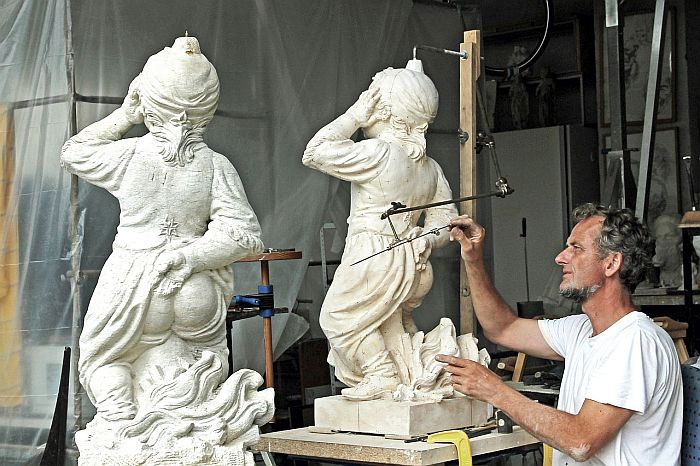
{"x": 333, "y": 152}
{"x": 98, "y": 154}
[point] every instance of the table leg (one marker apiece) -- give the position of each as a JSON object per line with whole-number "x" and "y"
{"x": 267, "y": 458}
{"x": 267, "y": 330}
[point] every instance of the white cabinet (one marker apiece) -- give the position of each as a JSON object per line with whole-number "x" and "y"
{"x": 552, "y": 170}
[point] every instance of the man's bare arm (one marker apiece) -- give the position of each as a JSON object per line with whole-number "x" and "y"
{"x": 499, "y": 322}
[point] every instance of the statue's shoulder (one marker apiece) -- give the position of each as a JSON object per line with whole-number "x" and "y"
{"x": 220, "y": 162}
{"x": 433, "y": 163}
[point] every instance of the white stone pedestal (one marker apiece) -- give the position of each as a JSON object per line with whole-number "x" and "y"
{"x": 402, "y": 418}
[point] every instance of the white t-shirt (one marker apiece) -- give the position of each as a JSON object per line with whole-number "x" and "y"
{"x": 632, "y": 364}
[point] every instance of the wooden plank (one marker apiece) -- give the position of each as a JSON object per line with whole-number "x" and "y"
{"x": 469, "y": 71}
{"x": 519, "y": 366}
{"x": 377, "y": 449}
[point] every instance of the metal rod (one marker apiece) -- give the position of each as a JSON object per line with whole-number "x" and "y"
{"x": 499, "y": 193}
{"x": 691, "y": 184}
{"x": 651, "y": 105}
{"x": 461, "y": 54}
{"x": 527, "y": 62}
{"x": 614, "y": 25}
{"x": 434, "y": 231}
{"x": 523, "y": 235}
{"x": 74, "y": 228}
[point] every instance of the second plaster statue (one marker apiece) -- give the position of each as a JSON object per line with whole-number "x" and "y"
{"x": 367, "y": 313}
{"x": 153, "y": 355}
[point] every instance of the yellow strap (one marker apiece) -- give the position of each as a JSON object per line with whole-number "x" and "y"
{"x": 461, "y": 442}
{"x": 546, "y": 455}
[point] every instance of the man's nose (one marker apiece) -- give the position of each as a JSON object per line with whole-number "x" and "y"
{"x": 561, "y": 258}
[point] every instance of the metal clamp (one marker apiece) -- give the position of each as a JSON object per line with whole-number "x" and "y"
{"x": 463, "y": 136}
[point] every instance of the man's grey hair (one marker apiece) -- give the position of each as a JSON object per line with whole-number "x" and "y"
{"x": 622, "y": 232}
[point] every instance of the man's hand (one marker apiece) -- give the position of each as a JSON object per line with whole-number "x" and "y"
{"x": 363, "y": 110}
{"x": 472, "y": 379}
{"x": 132, "y": 103}
{"x": 470, "y": 236}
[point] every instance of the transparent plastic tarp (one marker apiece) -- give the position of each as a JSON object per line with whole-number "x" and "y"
{"x": 286, "y": 68}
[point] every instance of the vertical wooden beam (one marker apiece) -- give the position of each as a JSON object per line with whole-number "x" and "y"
{"x": 469, "y": 71}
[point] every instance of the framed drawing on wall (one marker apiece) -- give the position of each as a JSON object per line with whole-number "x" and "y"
{"x": 664, "y": 191}
{"x": 638, "y": 30}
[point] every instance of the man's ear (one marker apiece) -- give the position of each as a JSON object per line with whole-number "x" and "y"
{"x": 613, "y": 264}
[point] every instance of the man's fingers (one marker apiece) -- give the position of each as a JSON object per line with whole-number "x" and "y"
{"x": 452, "y": 360}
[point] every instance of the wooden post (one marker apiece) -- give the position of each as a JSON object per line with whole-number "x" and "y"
{"x": 469, "y": 71}
{"x": 267, "y": 330}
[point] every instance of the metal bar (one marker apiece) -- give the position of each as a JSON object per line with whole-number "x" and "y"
{"x": 614, "y": 26}
{"x": 462, "y": 54}
{"x": 646, "y": 157}
{"x": 74, "y": 229}
{"x": 390, "y": 212}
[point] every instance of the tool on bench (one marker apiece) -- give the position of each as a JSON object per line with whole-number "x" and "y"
{"x": 461, "y": 442}
{"x": 470, "y": 431}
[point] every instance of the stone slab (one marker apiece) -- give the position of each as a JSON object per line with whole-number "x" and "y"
{"x": 374, "y": 449}
{"x": 406, "y": 418}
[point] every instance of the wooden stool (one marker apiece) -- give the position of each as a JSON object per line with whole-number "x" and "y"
{"x": 264, "y": 258}
{"x": 676, "y": 331}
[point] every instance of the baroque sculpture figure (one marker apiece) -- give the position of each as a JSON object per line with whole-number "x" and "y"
{"x": 367, "y": 314}
{"x": 153, "y": 355}
{"x": 545, "y": 96}
{"x": 668, "y": 251}
{"x": 519, "y": 101}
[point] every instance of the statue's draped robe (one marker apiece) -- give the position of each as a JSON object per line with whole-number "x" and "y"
{"x": 363, "y": 296}
{"x": 199, "y": 209}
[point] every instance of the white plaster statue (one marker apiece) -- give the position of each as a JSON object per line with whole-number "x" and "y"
{"x": 668, "y": 256}
{"x": 367, "y": 313}
{"x": 153, "y": 355}
{"x": 519, "y": 101}
{"x": 545, "y": 97}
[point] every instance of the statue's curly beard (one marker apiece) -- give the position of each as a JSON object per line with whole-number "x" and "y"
{"x": 176, "y": 141}
{"x": 579, "y": 295}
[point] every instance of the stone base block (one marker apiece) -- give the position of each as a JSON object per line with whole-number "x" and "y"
{"x": 405, "y": 419}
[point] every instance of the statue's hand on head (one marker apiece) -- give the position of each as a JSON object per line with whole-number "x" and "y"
{"x": 171, "y": 270}
{"x": 132, "y": 103}
{"x": 363, "y": 110}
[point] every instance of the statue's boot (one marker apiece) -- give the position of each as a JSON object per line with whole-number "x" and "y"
{"x": 379, "y": 381}
{"x": 113, "y": 394}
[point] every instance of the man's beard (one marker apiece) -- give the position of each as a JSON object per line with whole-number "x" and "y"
{"x": 579, "y": 295}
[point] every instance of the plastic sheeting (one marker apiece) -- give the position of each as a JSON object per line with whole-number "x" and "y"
{"x": 286, "y": 69}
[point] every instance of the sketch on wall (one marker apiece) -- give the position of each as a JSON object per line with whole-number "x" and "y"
{"x": 663, "y": 193}
{"x": 638, "y": 30}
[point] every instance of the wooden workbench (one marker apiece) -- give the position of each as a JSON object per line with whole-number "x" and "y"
{"x": 363, "y": 448}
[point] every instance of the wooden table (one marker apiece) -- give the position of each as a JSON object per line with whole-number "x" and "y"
{"x": 375, "y": 449}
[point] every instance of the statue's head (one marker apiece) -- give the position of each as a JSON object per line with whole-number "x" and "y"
{"x": 180, "y": 79}
{"x": 408, "y": 102}
{"x": 407, "y": 95}
{"x": 178, "y": 91}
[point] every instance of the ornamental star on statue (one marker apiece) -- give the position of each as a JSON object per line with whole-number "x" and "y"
{"x": 168, "y": 228}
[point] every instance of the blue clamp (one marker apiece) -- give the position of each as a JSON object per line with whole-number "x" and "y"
{"x": 267, "y": 309}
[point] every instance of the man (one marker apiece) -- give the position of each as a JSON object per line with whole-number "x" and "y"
{"x": 162, "y": 295}
{"x": 621, "y": 395}
{"x": 369, "y": 305}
